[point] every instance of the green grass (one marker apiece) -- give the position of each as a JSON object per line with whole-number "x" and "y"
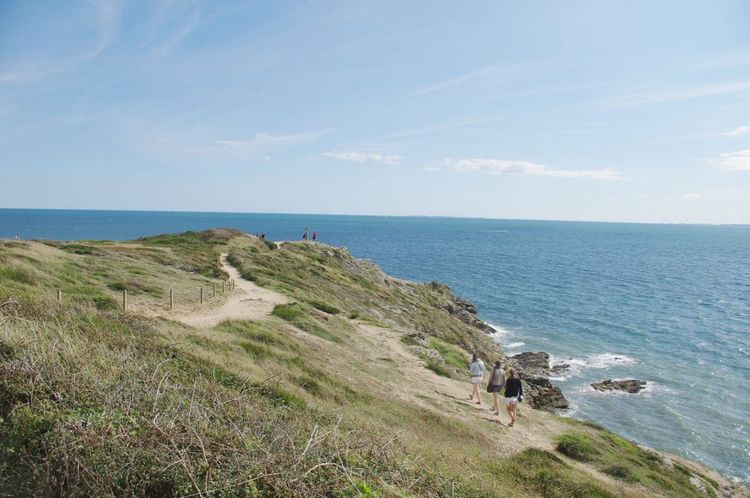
{"x": 577, "y": 446}
{"x": 438, "y": 368}
{"x": 451, "y": 354}
{"x": 541, "y": 473}
{"x": 94, "y": 402}
{"x": 288, "y": 312}
{"x": 303, "y": 320}
{"x": 325, "y": 307}
{"x": 628, "y": 462}
{"x": 19, "y": 275}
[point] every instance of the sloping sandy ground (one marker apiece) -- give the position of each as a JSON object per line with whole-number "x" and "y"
{"x": 246, "y": 302}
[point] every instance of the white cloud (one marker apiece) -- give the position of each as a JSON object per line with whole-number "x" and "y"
{"x": 692, "y": 196}
{"x": 681, "y": 94}
{"x": 262, "y": 142}
{"x": 739, "y": 160}
{"x": 740, "y": 130}
{"x": 363, "y": 157}
{"x": 506, "y": 167}
{"x": 260, "y": 145}
{"x": 431, "y": 168}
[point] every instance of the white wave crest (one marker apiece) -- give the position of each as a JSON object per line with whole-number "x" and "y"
{"x": 602, "y": 360}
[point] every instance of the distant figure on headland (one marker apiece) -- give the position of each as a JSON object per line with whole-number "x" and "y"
{"x": 315, "y": 236}
{"x": 304, "y": 235}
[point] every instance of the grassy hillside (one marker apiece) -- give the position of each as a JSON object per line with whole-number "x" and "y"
{"x": 323, "y": 397}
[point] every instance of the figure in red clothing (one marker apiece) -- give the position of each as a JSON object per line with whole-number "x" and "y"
{"x": 315, "y": 236}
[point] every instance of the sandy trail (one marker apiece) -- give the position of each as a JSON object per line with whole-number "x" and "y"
{"x": 246, "y": 302}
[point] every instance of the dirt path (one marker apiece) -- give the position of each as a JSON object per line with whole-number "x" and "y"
{"x": 246, "y": 302}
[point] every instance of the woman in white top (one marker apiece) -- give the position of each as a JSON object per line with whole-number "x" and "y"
{"x": 477, "y": 371}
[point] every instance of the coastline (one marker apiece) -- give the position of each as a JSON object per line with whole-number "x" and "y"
{"x": 383, "y": 324}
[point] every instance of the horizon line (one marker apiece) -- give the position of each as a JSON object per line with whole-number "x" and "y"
{"x": 489, "y": 218}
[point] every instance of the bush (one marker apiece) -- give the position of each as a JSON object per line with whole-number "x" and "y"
{"x": 325, "y": 307}
{"x": 577, "y": 446}
{"x": 19, "y": 275}
{"x": 287, "y": 312}
{"x": 438, "y": 368}
{"x": 619, "y": 472}
{"x": 271, "y": 245}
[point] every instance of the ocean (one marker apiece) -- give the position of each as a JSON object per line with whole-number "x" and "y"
{"x": 669, "y": 304}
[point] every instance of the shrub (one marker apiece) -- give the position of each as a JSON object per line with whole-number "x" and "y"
{"x": 619, "y": 472}
{"x": 451, "y": 354}
{"x": 577, "y": 446}
{"x": 19, "y": 275}
{"x": 287, "y": 312}
{"x": 271, "y": 245}
{"x": 438, "y": 368}
{"x": 325, "y": 307}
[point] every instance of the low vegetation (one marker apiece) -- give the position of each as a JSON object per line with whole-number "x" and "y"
{"x": 626, "y": 461}
{"x": 97, "y": 402}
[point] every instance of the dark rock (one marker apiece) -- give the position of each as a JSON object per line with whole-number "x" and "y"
{"x": 561, "y": 368}
{"x": 542, "y": 395}
{"x": 534, "y": 370}
{"x": 466, "y": 311}
{"x": 629, "y": 386}
{"x": 531, "y": 364}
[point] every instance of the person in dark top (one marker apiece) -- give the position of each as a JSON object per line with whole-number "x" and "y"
{"x": 513, "y": 394}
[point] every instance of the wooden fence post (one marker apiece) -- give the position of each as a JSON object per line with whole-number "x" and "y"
{"x": 201, "y": 295}
{"x": 124, "y": 300}
{"x": 171, "y": 299}
{"x": 59, "y": 296}
{"x": 213, "y": 289}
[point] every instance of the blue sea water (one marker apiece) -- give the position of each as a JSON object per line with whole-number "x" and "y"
{"x": 666, "y": 303}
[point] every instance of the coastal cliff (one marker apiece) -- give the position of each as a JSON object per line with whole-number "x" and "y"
{"x": 220, "y": 364}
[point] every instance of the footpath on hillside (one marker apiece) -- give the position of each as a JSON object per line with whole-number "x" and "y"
{"x": 246, "y": 302}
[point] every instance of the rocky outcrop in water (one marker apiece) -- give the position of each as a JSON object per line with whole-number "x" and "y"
{"x": 466, "y": 311}
{"x": 631, "y": 386}
{"x": 534, "y": 370}
{"x": 542, "y": 395}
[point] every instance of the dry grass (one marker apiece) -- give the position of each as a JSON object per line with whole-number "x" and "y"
{"x": 94, "y": 402}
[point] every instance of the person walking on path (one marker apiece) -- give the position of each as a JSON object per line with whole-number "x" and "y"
{"x": 495, "y": 385}
{"x": 513, "y": 395}
{"x": 304, "y": 235}
{"x": 477, "y": 371}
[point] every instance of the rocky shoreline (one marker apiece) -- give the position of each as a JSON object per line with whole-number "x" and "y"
{"x": 535, "y": 370}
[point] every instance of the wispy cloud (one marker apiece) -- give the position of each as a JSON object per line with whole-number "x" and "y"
{"x": 455, "y": 81}
{"x": 738, "y": 161}
{"x": 363, "y": 157}
{"x": 692, "y": 196}
{"x": 506, "y": 167}
{"x": 104, "y": 17}
{"x": 740, "y": 130}
{"x": 259, "y": 145}
{"x": 263, "y": 142}
{"x": 639, "y": 99}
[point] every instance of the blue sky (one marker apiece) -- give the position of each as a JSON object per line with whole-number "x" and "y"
{"x": 586, "y": 110}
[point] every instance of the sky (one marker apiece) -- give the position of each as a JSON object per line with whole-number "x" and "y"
{"x": 629, "y": 110}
